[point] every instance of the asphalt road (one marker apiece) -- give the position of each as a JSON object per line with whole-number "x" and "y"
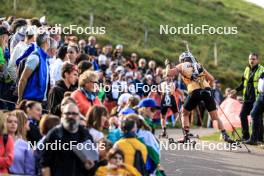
{"x": 210, "y": 161}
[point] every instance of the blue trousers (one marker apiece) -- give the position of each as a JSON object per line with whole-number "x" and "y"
{"x": 257, "y": 120}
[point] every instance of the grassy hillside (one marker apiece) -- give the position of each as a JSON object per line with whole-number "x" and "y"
{"x": 126, "y": 20}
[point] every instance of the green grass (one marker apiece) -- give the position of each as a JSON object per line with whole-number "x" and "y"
{"x": 126, "y": 20}
{"x": 216, "y": 136}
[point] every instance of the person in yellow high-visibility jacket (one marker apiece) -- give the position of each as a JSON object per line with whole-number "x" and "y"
{"x": 249, "y": 86}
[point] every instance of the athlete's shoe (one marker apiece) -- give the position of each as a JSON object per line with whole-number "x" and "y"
{"x": 227, "y": 138}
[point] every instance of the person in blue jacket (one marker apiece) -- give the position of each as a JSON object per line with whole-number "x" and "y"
{"x": 33, "y": 83}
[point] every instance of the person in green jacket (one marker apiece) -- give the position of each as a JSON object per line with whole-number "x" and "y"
{"x": 3, "y": 41}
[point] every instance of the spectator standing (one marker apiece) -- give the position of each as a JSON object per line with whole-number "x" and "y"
{"x": 33, "y": 84}
{"x": 118, "y": 55}
{"x": 82, "y": 44}
{"x": 249, "y": 85}
{"x": 69, "y": 74}
{"x": 108, "y": 51}
{"x": 103, "y": 61}
{"x": 34, "y": 112}
{"x": 7, "y": 147}
{"x": 17, "y": 126}
{"x": 138, "y": 83}
{"x": 129, "y": 143}
{"x": 46, "y": 123}
{"x": 96, "y": 120}
{"x": 217, "y": 92}
{"x": 55, "y": 68}
{"x": 69, "y": 131}
{"x": 17, "y": 28}
{"x": 147, "y": 108}
{"x": 73, "y": 52}
{"x": 3, "y": 63}
{"x": 90, "y": 47}
{"x": 256, "y": 115}
{"x": 142, "y": 65}
{"x": 151, "y": 68}
{"x": 85, "y": 95}
{"x": 19, "y": 49}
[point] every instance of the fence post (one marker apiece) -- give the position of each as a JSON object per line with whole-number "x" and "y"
{"x": 215, "y": 55}
{"x": 15, "y": 6}
{"x": 91, "y": 19}
{"x": 146, "y": 36}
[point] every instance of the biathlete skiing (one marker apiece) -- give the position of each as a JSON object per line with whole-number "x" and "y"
{"x": 198, "y": 82}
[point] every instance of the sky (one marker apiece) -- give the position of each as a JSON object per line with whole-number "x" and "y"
{"x": 257, "y": 2}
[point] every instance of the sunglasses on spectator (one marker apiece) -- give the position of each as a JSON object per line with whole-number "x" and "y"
{"x": 71, "y": 113}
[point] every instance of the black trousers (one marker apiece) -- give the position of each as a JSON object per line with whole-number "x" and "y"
{"x": 245, "y": 111}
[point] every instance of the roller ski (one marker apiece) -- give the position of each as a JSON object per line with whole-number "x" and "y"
{"x": 230, "y": 142}
{"x": 196, "y": 136}
{"x": 187, "y": 139}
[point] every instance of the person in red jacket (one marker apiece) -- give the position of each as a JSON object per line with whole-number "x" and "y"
{"x": 85, "y": 96}
{"x": 6, "y": 147}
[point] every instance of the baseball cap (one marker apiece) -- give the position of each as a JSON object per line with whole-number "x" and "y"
{"x": 3, "y": 30}
{"x": 148, "y": 102}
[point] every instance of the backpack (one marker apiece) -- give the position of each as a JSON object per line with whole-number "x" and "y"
{"x": 20, "y": 70}
{"x": 139, "y": 162}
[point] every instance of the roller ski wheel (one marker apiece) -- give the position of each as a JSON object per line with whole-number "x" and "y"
{"x": 193, "y": 143}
